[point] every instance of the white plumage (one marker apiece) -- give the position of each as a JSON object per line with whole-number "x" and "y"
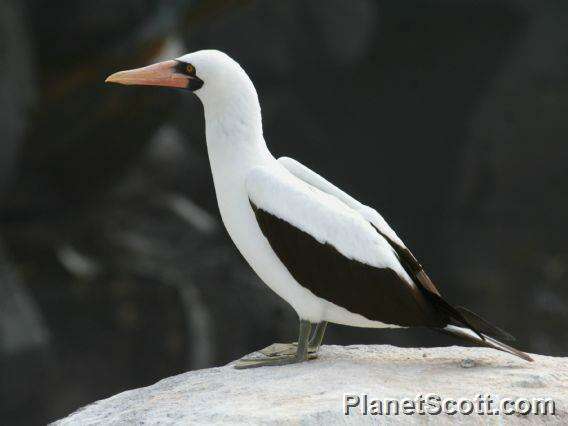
{"x": 297, "y": 230}
{"x": 309, "y": 176}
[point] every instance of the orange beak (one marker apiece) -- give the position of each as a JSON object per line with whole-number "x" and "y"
{"x": 159, "y": 74}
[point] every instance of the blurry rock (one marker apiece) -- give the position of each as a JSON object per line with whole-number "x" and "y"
{"x": 21, "y": 326}
{"x": 86, "y": 134}
{"x": 347, "y": 29}
{"x": 23, "y": 333}
{"x": 17, "y": 86}
{"x": 24, "y": 340}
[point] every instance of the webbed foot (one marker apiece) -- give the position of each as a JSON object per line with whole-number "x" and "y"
{"x": 280, "y": 349}
{"x": 283, "y": 353}
{"x": 272, "y": 361}
{"x": 314, "y": 343}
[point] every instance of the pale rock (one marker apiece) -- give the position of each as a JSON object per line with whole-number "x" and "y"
{"x": 313, "y": 392}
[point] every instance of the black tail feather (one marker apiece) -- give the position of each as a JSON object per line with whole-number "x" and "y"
{"x": 483, "y": 326}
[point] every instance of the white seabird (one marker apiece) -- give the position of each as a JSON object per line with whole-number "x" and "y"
{"x": 332, "y": 258}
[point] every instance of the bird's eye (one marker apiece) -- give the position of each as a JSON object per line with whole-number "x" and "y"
{"x": 190, "y": 69}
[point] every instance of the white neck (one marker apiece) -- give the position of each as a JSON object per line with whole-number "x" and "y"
{"x": 233, "y": 126}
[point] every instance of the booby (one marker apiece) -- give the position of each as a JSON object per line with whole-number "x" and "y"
{"x": 332, "y": 258}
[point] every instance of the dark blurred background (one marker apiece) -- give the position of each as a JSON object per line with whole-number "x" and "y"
{"x": 447, "y": 116}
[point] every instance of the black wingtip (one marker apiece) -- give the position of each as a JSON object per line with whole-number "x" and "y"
{"x": 484, "y": 326}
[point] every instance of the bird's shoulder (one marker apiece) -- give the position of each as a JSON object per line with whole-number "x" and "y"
{"x": 370, "y": 214}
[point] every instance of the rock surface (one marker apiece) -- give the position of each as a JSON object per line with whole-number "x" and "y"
{"x": 313, "y": 392}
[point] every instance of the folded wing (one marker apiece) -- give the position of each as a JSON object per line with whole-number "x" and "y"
{"x": 334, "y": 251}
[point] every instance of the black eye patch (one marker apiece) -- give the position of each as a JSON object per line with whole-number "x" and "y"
{"x": 194, "y": 83}
{"x": 185, "y": 68}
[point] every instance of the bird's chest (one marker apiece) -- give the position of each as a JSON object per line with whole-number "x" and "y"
{"x": 237, "y": 214}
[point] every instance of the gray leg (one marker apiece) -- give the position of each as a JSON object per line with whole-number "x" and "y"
{"x": 300, "y": 355}
{"x": 317, "y": 337}
{"x": 278, "y": 349}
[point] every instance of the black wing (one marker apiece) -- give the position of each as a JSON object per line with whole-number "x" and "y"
{"x": 375, "y": 293}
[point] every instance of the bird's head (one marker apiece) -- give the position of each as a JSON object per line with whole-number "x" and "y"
{"x": 210, "y": 74}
